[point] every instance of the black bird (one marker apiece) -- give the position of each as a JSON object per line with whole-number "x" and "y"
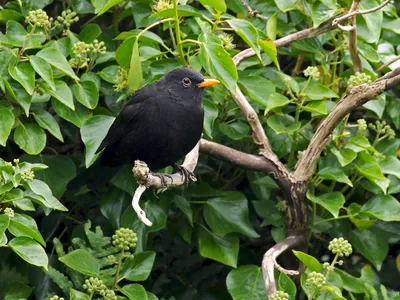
{"x": 160, "y": 124}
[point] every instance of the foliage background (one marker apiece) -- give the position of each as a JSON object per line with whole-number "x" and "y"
{"x": 207, "y": 240}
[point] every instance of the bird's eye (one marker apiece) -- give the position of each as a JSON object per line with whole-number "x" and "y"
{"x": 186, "y": 81}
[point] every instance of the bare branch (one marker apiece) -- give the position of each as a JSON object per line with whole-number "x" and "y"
{"x": 359, "y": 12}
{"x": 147, "y": 179}
{"x": 284, "y": 41}
{"x": 353, "y": 39}
{"x": 252, "y": 12}
{"x": 381, "y": 68}
{"x": 269, "y": 263}
{"x": 351, "y": 100}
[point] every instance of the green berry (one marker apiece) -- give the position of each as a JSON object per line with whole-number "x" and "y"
{"x": 312, "y": 72}
{"x": 9, "y": 212}
{"x": 340, "y": 247}
{"x": 280, "y": 295}
{"x": 124, "y": 239}
{"x": 358, "y": 79}
{"x": 316, "y": 279}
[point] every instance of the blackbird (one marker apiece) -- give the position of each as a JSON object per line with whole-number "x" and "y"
{"x": 161, "y": 123}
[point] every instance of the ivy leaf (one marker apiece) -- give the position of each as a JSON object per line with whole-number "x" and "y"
{"x": 134, "y": 291}
{"x": 41, "y": 189}
{"x": 93, "y": 132}
{"x": 47, "y": 121}
{"x": 63, "y": 94}
{"x": 344, "y": 156}
{"x": 335, "y": 174}
{"x": 247, "y": 32}
{"x": 219, "y": 5}
{"x": 275, "y": 100}
{"x": 332, "y": 201}
{"x": 55, "y": 58}
{"x": 81, "y": 261}
{"x": 285, "y": 5}
{"x": 30, "y": 138}
{"x": 135, "y": 75}
{"x": 210, "y": 115}
{"x": 382, "y": 207}
{"x": 246, "y": 282}
{"x": 43, "y": 68}
{"x": 229, "y": 213}
{"x": 4, "y": 222}
{"x": 138, "y": 268}
{"x": 77, "y": 117}
{"x": 87, "y": 93}
{"x": 24, "y": 225}
{"x": 236, "y": 130}
{"x": 257, "y": 88}
{"x": 24, "y": 74}
{"x": 223, "y": 249}
{"x": 309, "y": 261}
{"x": 317, "y": 91}
{"x": 29, "y": 250}
{"x": 282, "y": 124}
{"x": 268, "y": 46}
{"x": 7, "y": 120}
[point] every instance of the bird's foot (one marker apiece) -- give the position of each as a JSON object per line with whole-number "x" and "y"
{"x": 188, "y": 175}
{"x": 162, "y": 177}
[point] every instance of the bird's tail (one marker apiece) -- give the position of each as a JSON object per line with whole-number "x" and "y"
{"x": 95, "y": 177}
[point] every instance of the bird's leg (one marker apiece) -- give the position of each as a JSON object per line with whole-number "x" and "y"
{"x": 188, "y": 175}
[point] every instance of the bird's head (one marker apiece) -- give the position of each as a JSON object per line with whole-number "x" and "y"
{"x": 187, "y": 83}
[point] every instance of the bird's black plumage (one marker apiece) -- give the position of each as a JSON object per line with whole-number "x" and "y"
{"x": 161, "y": 123}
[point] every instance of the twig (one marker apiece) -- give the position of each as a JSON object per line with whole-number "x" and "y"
{"x": 252, "y": 12}
{"x": 353, "y": 39}
{"x": 147, "y": 179}
{"x": 381, "y": 68}
{"x": 351, "y": 100}
{"x": 297, "y": 36}
{"x": 359, "y": 12}
{"x": 269, "y": 263}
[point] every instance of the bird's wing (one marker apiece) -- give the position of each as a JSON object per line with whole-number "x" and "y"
{"x": 126, "y": 119}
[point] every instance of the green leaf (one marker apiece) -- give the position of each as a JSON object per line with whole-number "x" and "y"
{"x": 110, "y": 73}
{"x": 374, "y": 19}
{"x": 42, "y": 189}
{"x": 286, "y": 284}
{"x": 217, "y": 62}
{"x": 17, "y": 35}
{"x": 391, "y": 165}
{"x": 7, "y": 120}
{"x": 236, "y": 130}
{"x": 17, "y": 290}
{"x": 372, "y": 244}
{"x": 282, "y": 124}
{"x": 93, "y": 132}
{"x": 29, "y": 250}
{"x": 268, "y": 46}
{"x": 210, "y": 115}
{"x": 86, "y": 93}
{"x": 183, "y": 11}
{"x": 219, "y": 5}
{"x": 47, "y": 121}
{"x": 77, "y": 117}
{"x": 321, "y": 13}
{"x": 135, "y": 75}
{"x": 359, "y": 143}
{"x": 55, "y": 58}
{"x": 246, "y": 282}
{"x": 63, "y": 94}
{"x": 382, "y": 207}
{"x": 112, "y": 205}
{"x": 229, "y": 213}
{"x": 8, "y": 14}
{"x": 138, "y": 268}
{"x": 344, "y": 156}
{"x": 4, "y": 221}
{"x": 332, "y": 201}
{"x": 89, "y": 33}
{"x": 317, "y": 91}
{"x": 309, "y": 261}
{"x": 318, "y": 107}
{"x": 335, "y": 174}
{"x": 285, "y": 5}
{"x": 25, "y": 75}
{"x": 19, "y": 94}
{"x": 369, "y": 169}
{"x": 81, "y": 261}
{"x": 30, "y": 138}
{"x": 24, "y": 225}
{"x": 257, "y": 88}
{"x": 185, "y": 207}
{"x": 43, "y": 68}
{"x": 247, "y": 32}
{"x": 223, "y": 249}
{"x": 134, "y": 291}
{"x": 275, "y": 100}
{"x": 76, "y": 295}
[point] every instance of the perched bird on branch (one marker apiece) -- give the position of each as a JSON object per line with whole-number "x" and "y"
{"x": 160, "y": 124}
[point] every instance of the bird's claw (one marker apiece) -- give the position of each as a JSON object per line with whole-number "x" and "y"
{"x": 162, "y": 178}
{"x": 188, "y": 175}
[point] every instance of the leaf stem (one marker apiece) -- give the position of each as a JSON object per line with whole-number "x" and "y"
{"x": 178, "y": 34}
{"x": 333, "y": 219}
{"x": 27, "y": 40}
{"x": 117, "y": 271}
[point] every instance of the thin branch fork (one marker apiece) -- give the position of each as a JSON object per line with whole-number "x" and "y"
{"x": 359, "y": 12}
{"x": 269, "y": 263}
{"x": 147, "y": 179}
{"x": 252, "y": 12}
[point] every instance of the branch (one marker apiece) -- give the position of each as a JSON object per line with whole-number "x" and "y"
{"x": 252, "y": 12}
{"x": 381, "y": 68}
{"x": 359, "y": 12}
{"x": 269, "y": 263}
{"x": 297, "y": 36}
{"x": 351, "y": 100}
{"x": 147, "y": 179}
{"x": 353, "y": 39}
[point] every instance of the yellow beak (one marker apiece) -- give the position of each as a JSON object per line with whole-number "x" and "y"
{"x": 207, "y": 83}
